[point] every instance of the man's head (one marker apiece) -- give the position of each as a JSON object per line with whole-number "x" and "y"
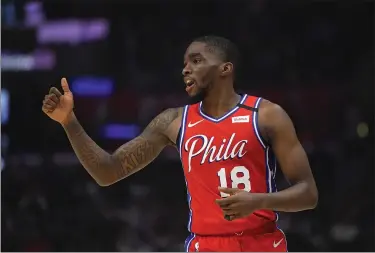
{"x": 209, "y": 61}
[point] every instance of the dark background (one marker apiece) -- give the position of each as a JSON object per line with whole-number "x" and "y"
{"x": 315, "y": 59}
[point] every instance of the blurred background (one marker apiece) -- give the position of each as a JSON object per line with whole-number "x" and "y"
{"x": 123, "y": 60}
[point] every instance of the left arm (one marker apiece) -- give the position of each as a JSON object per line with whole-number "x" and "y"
{"x": 277, "y": 128}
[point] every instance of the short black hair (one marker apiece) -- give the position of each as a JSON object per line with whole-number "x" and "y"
{"x": 226, "y": 49}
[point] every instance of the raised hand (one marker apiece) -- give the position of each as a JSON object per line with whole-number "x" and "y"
{"x": 57, "y": 106}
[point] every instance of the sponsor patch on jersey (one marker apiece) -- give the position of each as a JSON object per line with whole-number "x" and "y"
{"x": 241, "y": 119}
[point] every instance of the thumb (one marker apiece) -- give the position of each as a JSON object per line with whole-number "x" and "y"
{"x": 65, "y": 86}
{"x": 230, "y": 191}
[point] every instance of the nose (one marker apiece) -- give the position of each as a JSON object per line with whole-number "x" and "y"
{"x": 186, "y": 70}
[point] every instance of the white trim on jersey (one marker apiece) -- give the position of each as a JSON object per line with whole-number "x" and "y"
{"x": 182, "y": 134}
{"x": 225, "y": 115}
{"x": 189, "y": 241}
{"x": 183, "y": 127}
{"x": 269, "y": 171}
{"x": 255, "y": 123}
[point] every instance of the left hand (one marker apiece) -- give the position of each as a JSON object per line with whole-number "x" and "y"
{"x": 239, "y": 204}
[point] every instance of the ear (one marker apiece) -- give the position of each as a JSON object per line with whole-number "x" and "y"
{"x": 226, "y": 69}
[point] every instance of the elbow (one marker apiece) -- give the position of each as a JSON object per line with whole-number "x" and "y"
{"x": 103, "y": 180}
{"x": 313, "y": 197}
{"x": 103, "y": 183}
{"x": 313, "y": 202}
{"x": 108, "y": 174}
{"x": 107, "y": 180}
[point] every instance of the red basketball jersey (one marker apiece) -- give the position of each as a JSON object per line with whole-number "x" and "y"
{"x": 227, "y": 152}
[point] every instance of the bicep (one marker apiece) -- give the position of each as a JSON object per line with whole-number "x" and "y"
{"x": 286, "y": 146}
{"x": 293, "y": 160}
{"x": 142, "y": 150}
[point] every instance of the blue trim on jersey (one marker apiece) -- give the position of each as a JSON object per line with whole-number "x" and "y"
{"x": 286, "y": 241}
{"x": 182, "y": 128}
{"x": 271, "y": 169}
{"x": 268, "y": 171}
{"x": 277, "y": 226}
{"x": 191, "y": 211}
{"x": 256, "y": 126}
{"x": 224, "y": 116}
{"x": 270, "y": 157}
{"x": 271, "y": 165}
{"x": 274, "y": 187}
{"x": 178, "y": 140}
{"x": 181, "y": 141}
{"x": 188, "y": 241}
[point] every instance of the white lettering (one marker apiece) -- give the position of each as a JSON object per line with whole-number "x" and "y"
{"x": 241, "y": 119}
{"x": 201, "y": 144}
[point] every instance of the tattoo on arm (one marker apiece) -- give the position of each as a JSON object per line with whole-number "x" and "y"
{"x": 139, "y": 152}
{"x": 108, "y": 168}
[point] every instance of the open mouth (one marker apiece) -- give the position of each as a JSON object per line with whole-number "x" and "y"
{"x": 189, "y": 81}
{"x": 189, "y": 84}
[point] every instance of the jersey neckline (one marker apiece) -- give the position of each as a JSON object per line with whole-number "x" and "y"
{"x": 216, "y": 120}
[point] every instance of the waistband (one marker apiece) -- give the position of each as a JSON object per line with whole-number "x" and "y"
{"x": 264, "y": 229}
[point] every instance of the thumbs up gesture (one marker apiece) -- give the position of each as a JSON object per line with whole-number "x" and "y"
{"x": 57, "y": 106}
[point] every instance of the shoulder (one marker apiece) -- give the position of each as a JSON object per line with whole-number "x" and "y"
{"x": 270, "y": 110}
{"x": 166, "y": 124}
{"x": 165, "y": 118}
{"x": 272, "y": 118}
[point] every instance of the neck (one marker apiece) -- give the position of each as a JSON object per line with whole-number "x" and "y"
{"x": 219, "y": 101}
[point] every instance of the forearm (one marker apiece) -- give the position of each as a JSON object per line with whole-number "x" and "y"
{"x": 301, "y": 196}
{"x": 98, "y": 163}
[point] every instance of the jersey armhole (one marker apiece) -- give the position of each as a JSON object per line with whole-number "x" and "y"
{"x": 181, "y": 131}
{"x": 258, "y": 134}
{"x": 178, "y": 139}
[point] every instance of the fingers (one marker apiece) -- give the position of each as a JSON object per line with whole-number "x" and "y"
{"x": 55, "y": 91}
{"x": 45, "y": 110}
{"x": 49, "y": 103}
{"x": 51, "y": 99}
{"x": 225, "y": 202}
{"x": 230, "y": 212}
{"x": 54, "y": 98}
{"x": 230, "y": 191}
{"x": 226, "y": 208}
{"x": 48, "y": 108}
{"x": 65, "y": 85}
{"x": 230, "y": 209}
{"x": 231, "y": 217}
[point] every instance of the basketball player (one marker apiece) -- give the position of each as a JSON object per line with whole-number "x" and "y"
{"x": 227, "y": 143}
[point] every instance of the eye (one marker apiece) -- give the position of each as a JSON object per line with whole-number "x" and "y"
{"x": 197, "y": 60}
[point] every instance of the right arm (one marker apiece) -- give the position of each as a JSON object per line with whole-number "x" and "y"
{"x": 131, "y": 157}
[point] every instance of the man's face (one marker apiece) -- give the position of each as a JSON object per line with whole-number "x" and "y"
{"x": 201, "y": 69}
